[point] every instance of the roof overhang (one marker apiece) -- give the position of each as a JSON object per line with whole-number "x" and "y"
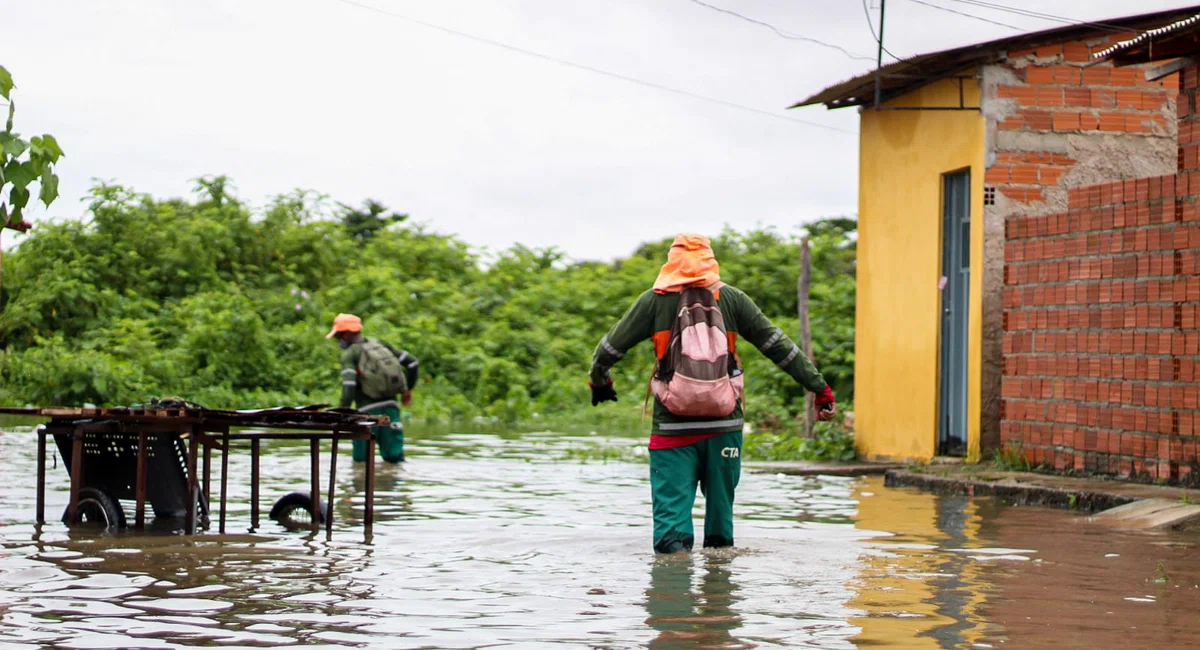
{"x": 1178, "y": 39}
{"x": 902, "y": 77}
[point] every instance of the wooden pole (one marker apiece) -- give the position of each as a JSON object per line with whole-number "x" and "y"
{"x": 76, "y": 473}
{"x": 333, "y": 454}
{"x": 369, "y": 509}
{"x": 41, "y": 476}
{"x": 802, "y": 289}
{"x": 139, "y": 510}
{"x": 224, "y": 476}
{"x": 193, "y": 485}
{"x": 254, "y": 453}
{"x": 314, "y": 452}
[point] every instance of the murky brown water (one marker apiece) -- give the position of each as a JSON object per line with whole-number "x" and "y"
{"x": 499, "y": 542}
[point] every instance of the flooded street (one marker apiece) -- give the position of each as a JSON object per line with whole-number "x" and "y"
{"x": 496, "y": 541}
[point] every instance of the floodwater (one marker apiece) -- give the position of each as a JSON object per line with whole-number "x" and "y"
{"x": 490, "y": 541}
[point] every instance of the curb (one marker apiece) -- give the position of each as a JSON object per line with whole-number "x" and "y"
{"x": 1011, "y": 490}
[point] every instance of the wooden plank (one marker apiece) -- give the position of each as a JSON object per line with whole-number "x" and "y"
{"x": 1159, "y": 71}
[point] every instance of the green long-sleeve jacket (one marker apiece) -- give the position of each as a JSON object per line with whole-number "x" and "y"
{"x": 352, "y": 392}
{"x": 652, "y": 315}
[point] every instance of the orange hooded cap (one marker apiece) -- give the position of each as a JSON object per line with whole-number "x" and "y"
{"x": 690, "y": 262}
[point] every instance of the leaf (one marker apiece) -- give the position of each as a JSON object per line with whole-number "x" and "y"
{"x": 12, "y": 145}
{"x": 12, "y": 108}
{"x": 49, "y": 190}
{"x": 18, "y": 197}
{"x": 20, "y": 174}
{"x": 6, "y": 82}
{"x": 48, "y": 146}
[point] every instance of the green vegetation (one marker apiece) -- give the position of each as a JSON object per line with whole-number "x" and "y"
{"x": 1011, "y": 458}
{"x": 834, "y": 440}
{"x": 1160, "y": 573}
{"x": 226, "y": 305}
{"x": 1187, "y": 500}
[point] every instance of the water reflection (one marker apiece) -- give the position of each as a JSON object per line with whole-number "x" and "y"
{"x": 688, "y": 615}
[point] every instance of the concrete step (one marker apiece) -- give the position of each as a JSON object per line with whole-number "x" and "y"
{"x": 1152, "y": 514}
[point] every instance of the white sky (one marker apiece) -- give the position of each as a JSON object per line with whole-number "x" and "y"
{"x": 496, "y": 146}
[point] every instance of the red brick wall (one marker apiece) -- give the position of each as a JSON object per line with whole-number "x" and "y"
{"x": 1049, "y": 91}
{"x": 1102, "y": 323}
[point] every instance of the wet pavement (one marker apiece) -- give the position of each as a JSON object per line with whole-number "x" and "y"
{"x": 515, "y": 541}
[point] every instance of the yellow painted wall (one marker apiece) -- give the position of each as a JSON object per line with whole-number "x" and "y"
{"x": 902, "y": 157}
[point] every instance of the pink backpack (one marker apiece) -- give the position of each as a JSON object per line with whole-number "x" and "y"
{"x": 693, "y": 376}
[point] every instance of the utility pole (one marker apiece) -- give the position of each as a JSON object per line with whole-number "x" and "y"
{"x": 879, "y": 56}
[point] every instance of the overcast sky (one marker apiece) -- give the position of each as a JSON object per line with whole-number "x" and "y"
{"x": 474, "y": 139}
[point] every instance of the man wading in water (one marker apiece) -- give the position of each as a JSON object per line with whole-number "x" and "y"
{"x": 373, "y": 374}
{"x": 695, "y": 322}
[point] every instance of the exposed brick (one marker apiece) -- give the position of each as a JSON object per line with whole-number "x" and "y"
{"x": 1049, "y": 96}
{"x": 1025, "y": 95}
{"x": 1129, "y": 99}
{"x": 1066, "y": 121}
{"x": 1039, "y": 75}
{"x": 1095, "y": 76}
{"x": 1038, "y": 120}
{"x": 1076, "y": 53}
{"x": 997, "y": 174}
{"x": 1024, "y": 174}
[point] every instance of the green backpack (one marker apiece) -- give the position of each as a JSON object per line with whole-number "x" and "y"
{"x": 380, "y": 373}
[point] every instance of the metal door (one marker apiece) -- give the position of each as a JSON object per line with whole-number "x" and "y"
{"x": 956, "y": 281}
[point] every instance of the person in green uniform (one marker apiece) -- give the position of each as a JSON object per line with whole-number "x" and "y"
{"x": 374, "y": 375}
{"x": 686, "y": 450}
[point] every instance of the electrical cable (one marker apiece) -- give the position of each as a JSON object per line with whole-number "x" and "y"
{"x": 588, "y": 68}
{"x": 963, "y": 13}
{"x": 871, "y": 26}
{"x": 781, "y": 33}
{"x": 1029, "y": 13}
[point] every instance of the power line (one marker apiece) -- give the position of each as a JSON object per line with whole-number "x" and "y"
{"x": 870, "y": 26}
{"x": 963, "y": 13}
{"x": 779, "y": 32}
{"x": 588, "y": 68}
{"x": 1029, "y": 13}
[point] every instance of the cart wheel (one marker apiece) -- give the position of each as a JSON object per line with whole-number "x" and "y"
{"x": 294, "y": 510}
{"x": 95, "y": 508}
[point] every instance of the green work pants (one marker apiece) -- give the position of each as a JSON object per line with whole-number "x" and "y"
{"x": 716, "y": 464}
{"x": 389, "y": 439}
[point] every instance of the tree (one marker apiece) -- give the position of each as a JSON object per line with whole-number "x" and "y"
{"x": 362, "y": 224}
{"x": 23, "y": 162}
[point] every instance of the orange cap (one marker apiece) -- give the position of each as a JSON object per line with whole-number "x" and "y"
{"x": 345, "y": 323}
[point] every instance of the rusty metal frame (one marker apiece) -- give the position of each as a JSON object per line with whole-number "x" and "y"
{"x": 209, "y": 433}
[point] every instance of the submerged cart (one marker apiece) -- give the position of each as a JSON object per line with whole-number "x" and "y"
{"x": 152, "y": 455}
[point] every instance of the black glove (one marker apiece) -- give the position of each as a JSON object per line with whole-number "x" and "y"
{"x": 603, "y": 393}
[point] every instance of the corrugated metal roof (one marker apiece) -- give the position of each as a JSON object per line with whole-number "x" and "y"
{"x": 1146, "y": 40}
{"x": 902, "y": 77}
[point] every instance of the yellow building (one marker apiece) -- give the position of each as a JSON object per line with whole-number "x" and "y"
{"x": 960, "y": 141}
